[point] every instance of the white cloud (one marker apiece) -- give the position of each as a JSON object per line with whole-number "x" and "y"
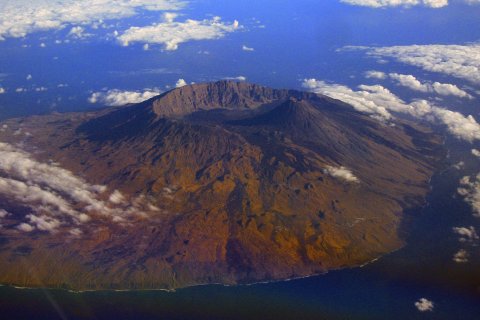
{"x": 116, "y": 197}
{"x": 25, "y": 227}
{"x": 424, "y": 305}
{"x": 341, "y": 173}
{"x": 3, "y": 213}
{"x": 44, "y": 223}
{"x": 29, "y": 77}
{"x": 461, "y": 256}
{"x": 467, "y": 234}
{"x": 239, "y": 78}
{"x": 121, "y": 98}
{"x": 447, "y": 89}
{"x": 171, "y": 33}
{"x": 20, "y": 90}
{"x": 2, "y": 90}
{"x": 76, "y": 232}
{"x": 379, "y": 102}
{"x": 459, "y": 166}
{"x": 470, "y": 190}
{"x": 43, "y": 45}
{"x": 249, "y": 49}
{"x": 180, "y": 83}
{"x": 55, "y": 195}
{"x": 460, "y": 61}
{"x": 21, "y": 17}
{"x": 413, "y": 83}
{"x": 78, "y": 32}
{"x": 372, "y": 74}
{"x": 397, "y": 3}
{"x": 476, "y": 153}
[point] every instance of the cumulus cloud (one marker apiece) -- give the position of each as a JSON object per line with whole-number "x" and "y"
{"x": 21, "y": 17}
{"x": 180, "y": 83}
{"x": 2, "y": 90}
{"x": 29, "y": 77}
{"x": 239, "y": 78}
{"x": 341, "y": 173}
{"x": 55, "y": 195}
{"x": 413, "y": 83}
{"x": 470, "y": 190}
{"x": 467, "y": 234}
{"x": 424, "y": 305}
{"x": 372, "y": 74}
{"x": 120, "y": 98}
{"x": 461, "y": 256}
{"x": 78, "y": 32}
{"x": 249, "y": 49}
{"x": 476, "y": 153}
{"x": 171, "y": 33}
{"x": 379, "y": 102}
{"x": 25, "y": 227}
{"x": 397, "y": 3}
{"x": 460, "y": 61}
{"x": 3, "y": 213}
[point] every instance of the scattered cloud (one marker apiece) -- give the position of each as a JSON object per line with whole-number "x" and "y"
{"x": 341, "y": 173}
{"x": 2, "y": 90}
{"x": 3, "y": 213}
{"x": 120, "y": 98}
{"x": 424, "y": 305}
{"x": 467, "y": 234}
{"x": 372, "y": 74}
{"x": 460, "y": 61}
{"x": 461, "y": 256}
{"x": 239, "y": 78}
{"x": 397, "y": 3}
{"x": 180, "y": 83}
{"x": 413, "y": 83}
{"x": 249, "y": 49}
{"x": 19, "y": 18}
{"x": 25, "y": 227}
{"x": 171, "y": 33}
{"x": 55, "y": 196}
{"x": 78, "y": 32}
{"x": 470, "y": 190}
{"x": 379, "y": 102}
{"x": 29, "y": 77}
{"x": 459, "y": 165}
{"x": 476, "y": 153}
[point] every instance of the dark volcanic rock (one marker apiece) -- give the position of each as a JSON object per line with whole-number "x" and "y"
{"x": 239, "y": 174}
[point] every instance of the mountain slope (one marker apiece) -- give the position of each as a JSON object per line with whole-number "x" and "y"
{"x": 220, "y": 183}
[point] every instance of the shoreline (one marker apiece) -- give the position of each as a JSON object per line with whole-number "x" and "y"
{"x": 202, "y": 285}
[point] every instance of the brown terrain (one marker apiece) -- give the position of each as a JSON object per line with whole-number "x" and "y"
{"x": 220, "y": 183}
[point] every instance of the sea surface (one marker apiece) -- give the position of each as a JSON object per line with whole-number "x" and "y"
{"x": 384, "y": 289}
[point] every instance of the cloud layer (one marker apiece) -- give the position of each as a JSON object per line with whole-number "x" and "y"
{"x": 460, "y": 61}
{"x": 55, "y": 196}
{"x": 171, "y": 33}
{"x": 379, "y": 102}
{"x": 470, "y": 190}
{"x": 397, "y": 3}
{"x": 21, "y": 17}
{"x": 121, "y": 98}
{"x": 444, "y": 89}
